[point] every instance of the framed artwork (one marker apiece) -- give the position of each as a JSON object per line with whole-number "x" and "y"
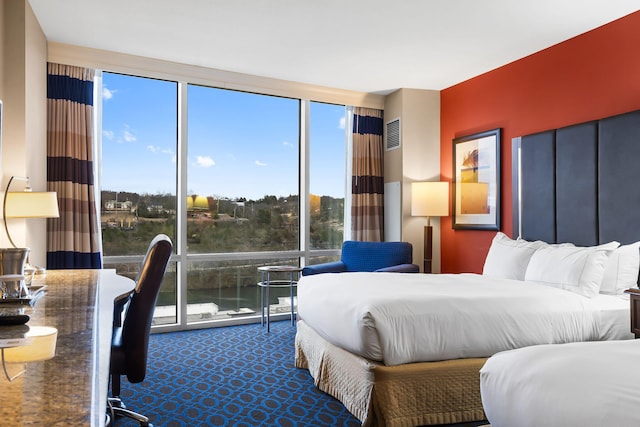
{"x": 476, "y": 181}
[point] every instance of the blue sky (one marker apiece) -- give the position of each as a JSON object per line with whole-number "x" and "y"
{"x": 240, "y": 144}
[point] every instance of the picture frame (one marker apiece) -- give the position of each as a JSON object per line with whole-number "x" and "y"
{"x": 476, "y": 181}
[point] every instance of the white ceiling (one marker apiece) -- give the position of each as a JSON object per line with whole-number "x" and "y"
{"x": 363, "y": 45}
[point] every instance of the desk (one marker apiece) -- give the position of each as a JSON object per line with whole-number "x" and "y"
{"x": 70, "y": 389}
{"x": 266, "y": 284}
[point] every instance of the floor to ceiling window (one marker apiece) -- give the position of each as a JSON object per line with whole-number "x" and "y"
{"x": 327, "y": 174}
{"x": 239, "y": 167}
{"x": 242, "y": 195}
{"x": 138, "y": 172}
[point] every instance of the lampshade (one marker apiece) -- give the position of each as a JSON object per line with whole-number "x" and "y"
{"x": 31, "y": 204}
{"x": 39, "y": 345}
{"x": 430, "y": 199}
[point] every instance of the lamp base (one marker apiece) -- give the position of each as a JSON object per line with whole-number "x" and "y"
{"x": 428, "y": 248}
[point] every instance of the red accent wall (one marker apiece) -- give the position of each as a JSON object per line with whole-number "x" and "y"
{"x": 591, "y": 76}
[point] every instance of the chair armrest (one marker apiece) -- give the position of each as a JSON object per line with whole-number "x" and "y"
{"x": 328, "y": 267}
{"x": 401, "y": 268}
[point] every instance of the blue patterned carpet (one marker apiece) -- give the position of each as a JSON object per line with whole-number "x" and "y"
{"x": 238, "y": 376}
{"x": 230, "y": 376}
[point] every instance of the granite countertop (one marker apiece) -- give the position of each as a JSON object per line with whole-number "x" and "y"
{"x": 69, "y": 389}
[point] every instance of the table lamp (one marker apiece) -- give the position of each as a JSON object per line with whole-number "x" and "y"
{"x": 27, "y": 204}
{"x": 429, "y": 199}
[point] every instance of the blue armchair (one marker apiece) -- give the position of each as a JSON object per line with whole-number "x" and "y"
{"x": 369, "y": 256}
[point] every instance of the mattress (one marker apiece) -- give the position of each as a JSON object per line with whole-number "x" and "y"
{"x": 397, "y": 318}
{"x": 577, "y": 384}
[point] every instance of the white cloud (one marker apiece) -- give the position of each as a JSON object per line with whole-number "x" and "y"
{"x": 128, "y": 136}
{"x": 259, "y": 163}
{"x": 342, "y": 123}
{"x": 205, "y": 161}
{"x": 107, "y": 93}
{"x": 107, "y": 134}
{"x": 159, "y": 150}
{"x": 287, "y": 144}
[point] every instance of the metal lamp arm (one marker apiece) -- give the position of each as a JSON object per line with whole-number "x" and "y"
{"x": 4, "y": 205}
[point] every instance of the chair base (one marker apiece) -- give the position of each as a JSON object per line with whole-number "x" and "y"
{"x": 116, "y": 408}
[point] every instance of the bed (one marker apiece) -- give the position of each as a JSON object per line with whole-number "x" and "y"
{"x": 584, "y": 384}
{"x": 397, "y": 318}
{"x": 408, "y": 350}
{"x": 351, "y": 351}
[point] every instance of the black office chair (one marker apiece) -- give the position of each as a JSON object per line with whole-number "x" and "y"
{"x": 133, "y": 313}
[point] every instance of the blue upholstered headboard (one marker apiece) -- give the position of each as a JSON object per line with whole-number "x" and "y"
{"x": 579, "y": 183}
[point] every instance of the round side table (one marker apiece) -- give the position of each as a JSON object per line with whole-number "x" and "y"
{"x": 266, "y": 283}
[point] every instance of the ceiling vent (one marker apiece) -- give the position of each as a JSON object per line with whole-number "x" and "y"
{"x": 393, "y": 134}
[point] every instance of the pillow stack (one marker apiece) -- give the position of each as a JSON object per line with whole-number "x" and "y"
{"x": 608, "y": 268}
{"x": 621, "y": 272}
{"x": 509, "y": 258}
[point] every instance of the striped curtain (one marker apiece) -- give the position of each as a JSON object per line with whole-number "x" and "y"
{"x": 367, "y": 182}
{"x": 73, "y": 240}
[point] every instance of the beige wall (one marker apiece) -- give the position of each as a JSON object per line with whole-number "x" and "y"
{"x": 417, "y": 159}
{"x": 23, "y": 91}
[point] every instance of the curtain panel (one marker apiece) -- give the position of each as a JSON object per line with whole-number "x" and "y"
{"x": 367, "y": 182}
{"x": 73, "y": 240}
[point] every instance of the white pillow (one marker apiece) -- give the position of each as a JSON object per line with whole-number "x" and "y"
{"x": 575, "y": 269}
{"x": 508, "y": 258}
{"x": 621, "y": 270}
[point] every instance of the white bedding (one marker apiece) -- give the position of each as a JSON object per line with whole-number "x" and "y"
{"x": 401, "y": 318}
{"x": 578, "y": 384}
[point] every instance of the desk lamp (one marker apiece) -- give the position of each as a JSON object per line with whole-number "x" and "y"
{"x": 429, "y": 199}
{"x": 27, "y": 204}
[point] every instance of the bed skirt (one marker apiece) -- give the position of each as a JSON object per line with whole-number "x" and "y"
{"x": 414, "y": 394}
